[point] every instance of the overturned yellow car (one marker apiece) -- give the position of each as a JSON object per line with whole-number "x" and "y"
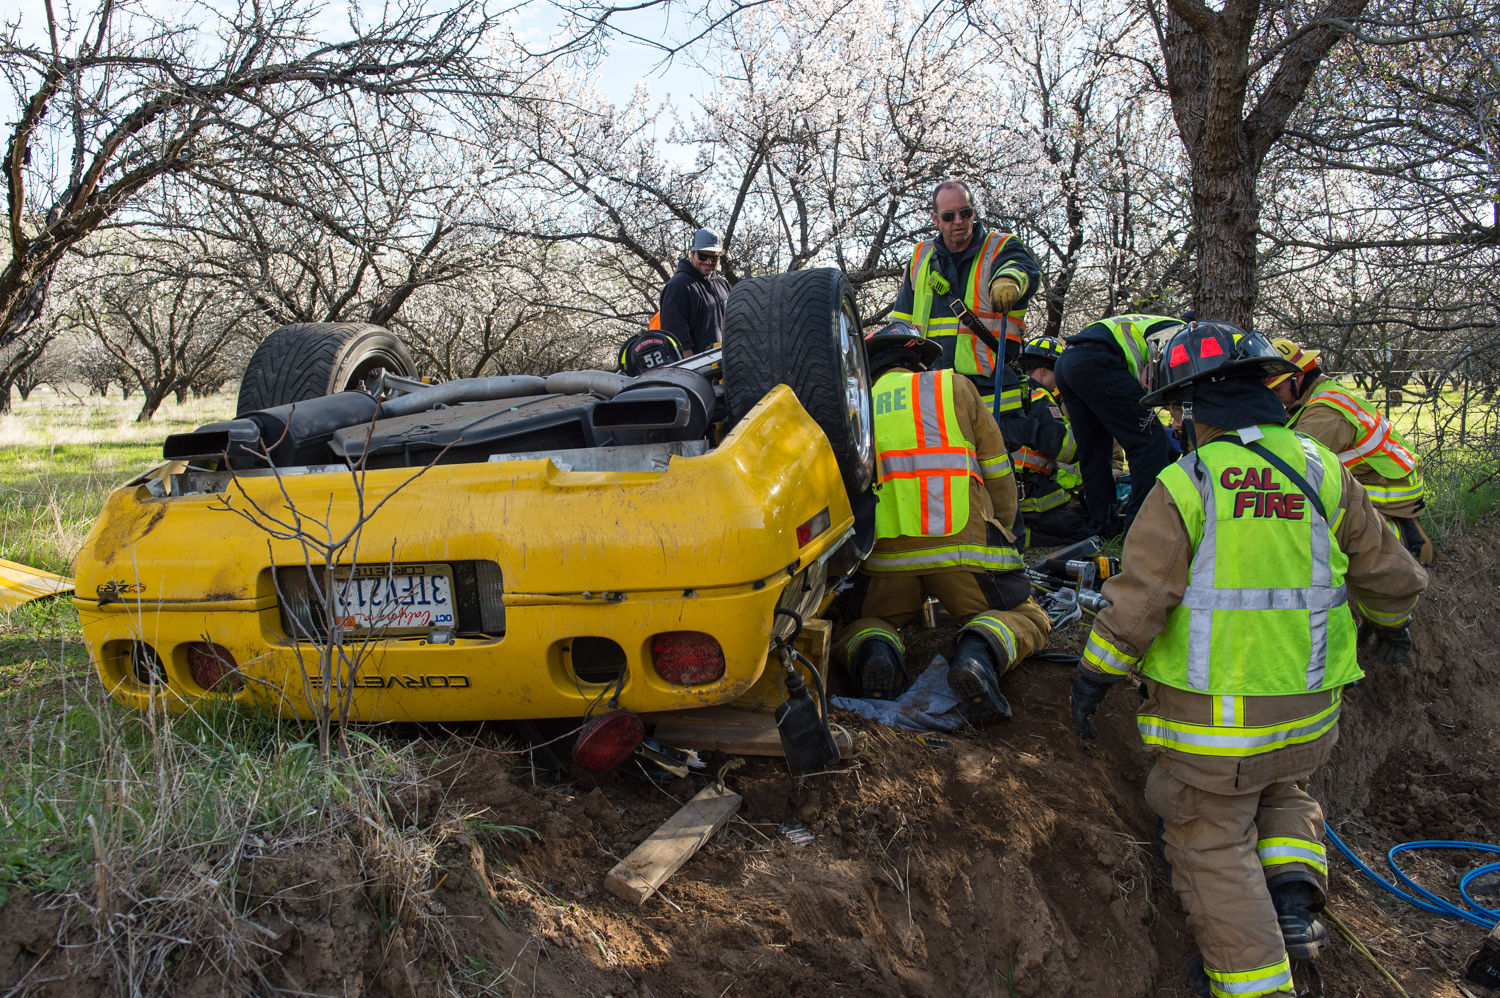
{"x": 493, "y": 548}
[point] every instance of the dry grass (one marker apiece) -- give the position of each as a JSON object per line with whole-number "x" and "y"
{"x": 144, "y": 832}
{"x": 55, "y": 418}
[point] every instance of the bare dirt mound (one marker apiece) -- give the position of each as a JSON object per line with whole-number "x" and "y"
{"x": 1011, "y": 860}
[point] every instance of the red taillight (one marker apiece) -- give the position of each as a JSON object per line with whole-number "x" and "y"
{"x": 688, "y": 658}
{"x": 213, "y": 667}
{"x": 608, "y": 741}
{"x": 813, "y": 528}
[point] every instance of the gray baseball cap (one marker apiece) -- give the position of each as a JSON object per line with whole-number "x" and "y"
{"x": 707, "y": 241}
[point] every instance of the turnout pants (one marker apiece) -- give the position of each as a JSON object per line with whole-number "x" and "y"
{"x": 997, "y": 606}
{"x": 1222, "y": 848}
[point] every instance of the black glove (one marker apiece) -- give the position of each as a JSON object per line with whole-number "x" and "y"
{"x": 1390, "y": 645}
{"x": 1088, "y": 693}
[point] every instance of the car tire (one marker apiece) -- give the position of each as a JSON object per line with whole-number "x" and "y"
{"x": 802, "y": 330}
{"x": 311, "y": 359}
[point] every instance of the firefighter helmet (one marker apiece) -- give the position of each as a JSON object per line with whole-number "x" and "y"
{"x": 1202, "y": 353}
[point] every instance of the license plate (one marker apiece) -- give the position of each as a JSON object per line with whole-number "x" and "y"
{"x": 394, "y": 599}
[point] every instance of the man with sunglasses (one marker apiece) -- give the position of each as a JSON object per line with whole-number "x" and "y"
{"x": 692, "y": 303}
{"x": 990, "y": 272}
{"x": 990, "y": 275}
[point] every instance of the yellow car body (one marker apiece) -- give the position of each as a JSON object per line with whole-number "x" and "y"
{"x": 602, "y": 560}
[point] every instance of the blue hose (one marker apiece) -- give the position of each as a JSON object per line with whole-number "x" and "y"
{"x": 1475, "y": 913}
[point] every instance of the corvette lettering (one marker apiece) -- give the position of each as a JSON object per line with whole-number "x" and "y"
{"x": 115, "y": 590}
{"x": 401, "y": 682}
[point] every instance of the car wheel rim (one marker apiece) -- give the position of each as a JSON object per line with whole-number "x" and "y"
{"x": 857, "y": 413}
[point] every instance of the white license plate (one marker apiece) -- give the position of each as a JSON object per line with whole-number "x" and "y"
{"x": 394, "y": 599}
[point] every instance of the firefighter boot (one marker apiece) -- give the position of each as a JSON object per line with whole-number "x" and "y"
{"x": 1198, "y": 977}
{"x": 1298, "y": 897}
{"x": 971, "y": 675}
{"x": 876, "y": 670}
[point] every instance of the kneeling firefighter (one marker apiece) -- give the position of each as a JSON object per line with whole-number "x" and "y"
{"x": 1232, "y": 604}
{"x": 944, "y": 487}
{"x": 1341, "y": 419}
{"x": 1047, "y": 469}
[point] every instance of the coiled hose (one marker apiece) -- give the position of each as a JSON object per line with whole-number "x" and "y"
{"x": 1420, "y": 897}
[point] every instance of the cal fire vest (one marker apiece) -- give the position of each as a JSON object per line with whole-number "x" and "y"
{"x": 971, "y": 354}
{"x": 1377, "y": 446}
{"x": 1265, "y": 610}
{"x": 924, "y": 461}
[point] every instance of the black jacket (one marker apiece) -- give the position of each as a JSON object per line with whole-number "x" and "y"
{"x": 692, "y": 307}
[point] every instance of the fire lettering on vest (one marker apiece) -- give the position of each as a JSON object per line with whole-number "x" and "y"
{"x": 890, "y": 401}
{"x": 1269, "y": 504}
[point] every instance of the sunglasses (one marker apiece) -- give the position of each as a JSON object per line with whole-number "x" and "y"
{"x": 708, "y": 257}
{"x": 964, "y": 213}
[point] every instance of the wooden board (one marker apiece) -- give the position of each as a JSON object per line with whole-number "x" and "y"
{"x": 637, "y": 876}
{"x": 724, "y": 729}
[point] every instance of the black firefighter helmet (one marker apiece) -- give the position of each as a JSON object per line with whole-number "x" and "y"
{"x": 900, "y": 343}
{"x": 1201, "y": 354}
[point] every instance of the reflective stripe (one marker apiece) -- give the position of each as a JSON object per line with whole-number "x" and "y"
{"x": 1280, "y": 851}
{"x": 1265, "y": 980}
{"x": 852, "y": 643}
{"x": 1231, "y": 711}
{"x": 1204, "y": 739}
{"x": 1403, "y": 491}
{"x": 1322, "y": 569}
{"x": 1384, "y": 619}
{"x": 1200, "y": 584}
{"x": 1106, "y": 657}
{"x": 1207, "y": 598}
{"x": 957, "y": 556}
{"x": 1002, "y": 634}
{"x": 1034, "y": 461}
{"x": 958, "y": 462}
{"x": 1044, "y": 502}
{"x": 996, "y": 467}
{"x": 1377, "y": 429}
{"x": 1010, "y": 400}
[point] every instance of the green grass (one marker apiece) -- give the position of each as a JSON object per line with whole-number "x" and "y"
{"x": 1457, "y": 445}
{"x": 60, "y": 456}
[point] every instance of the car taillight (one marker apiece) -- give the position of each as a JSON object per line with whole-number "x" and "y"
{"x": 813, "y": 528}
{"x": 688, "y": 658}
{"x": 213, "y": 667}
{"x": 608, "y": 741}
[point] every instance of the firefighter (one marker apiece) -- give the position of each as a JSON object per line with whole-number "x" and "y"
{"x": 1344, "y": 422}
{"x": 944, "y": 488}
{"x": 1099, "y": 377}
{"x": 1048, "y": 474}
{"x": 1232, "y": 604}
{"x": 990, "y": 272}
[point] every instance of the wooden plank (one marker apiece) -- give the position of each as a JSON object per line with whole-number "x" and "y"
{"x": 637, "y": 876}
{"x": 724, "y": 729}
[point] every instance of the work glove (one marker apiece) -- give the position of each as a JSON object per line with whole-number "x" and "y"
{"x": 1004, "y": 293}
{"x": 1088, "y": 693}
{"x": 1390, "y": 645}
